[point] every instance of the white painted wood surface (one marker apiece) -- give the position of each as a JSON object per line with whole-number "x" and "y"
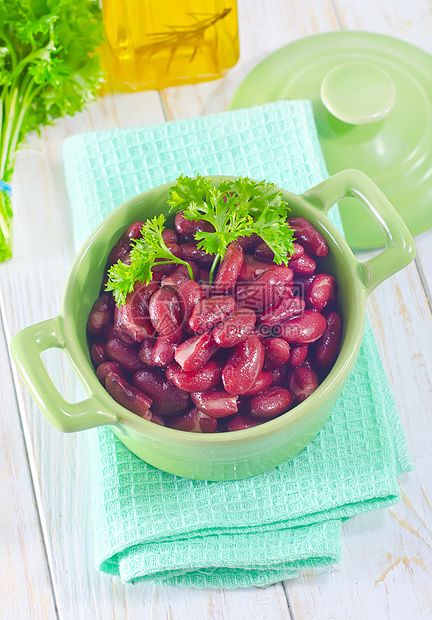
{"x": 45, "y": 536}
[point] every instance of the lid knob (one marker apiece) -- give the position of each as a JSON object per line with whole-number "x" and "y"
{"x": 358, "y": 93}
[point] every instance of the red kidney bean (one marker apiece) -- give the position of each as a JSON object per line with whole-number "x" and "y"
{"x": 145, "y": 351}
{"x": 108, "y": 332}
{"x": 240, "y": 422}
{"x": 262, "y": 332}
{"x": 301, "y": 285}
{"x": 127, "y": 395}
{"x": 279, "y": 375}
{"x": 248, "y": 243}
{"x": 101, "y": 315}
{"x": 193, "y": 353}
{"x": 123, "y": 334}
{"x": 327, "y": 347}
{"x": 217, "y": 403}
{"x": 126, "y": 259}
{"x": 303, "y": 382}
{"x": 297, "y": 355}
{"x": 304, "y": 266}
{"x": 298, "y": 251}
{"x": 121, "y": 248}
{"x": 163, "y": 351}
{"x": 209, "y": 312}
{"x": 304, "y": 329}
{"x": 131, "y": 320}
{"x": 194, "y": 421}
{"x": 170, "y": 236}
{"x": 167, "y": 398}
{"x": 308, "y": 236}
{"x": 187, "y": 238}
{"x": 307, "y": 364}
{"x": 175, "y": 249}
{"x": 266, "y": 290}
{"x": 190, "y": 293}
{"x": 204, "y": 276}
{"x": 236, "y": 327}
{"x": 252, "y": 268}
{"x": 134, "y": 230}
{"x": 192, "y": 252}
{"x": 264, "y": 380}
{"x": 276, "y": 353}
{"x": 243, "y": 366}
{"x": 229, "y": 268}
{"x": 170, "y": 370}
{"x": 164, "y": 311}
{"x": 126, "y": 356}
{"x": 263, "y": 252}
{"x": 281, "y": 312}
{"x": 180, "y": 274}
{"x": 157, "y": 419}
{"x": 320, "y": 291}
{"x": 98, "y": 353}
{"x": 185, "y": 226}
{"x": 159, "y": 271}
{"x": 200, "y": 380}
{"x": 270, "y": 403}
{"x": 109, "y": 367}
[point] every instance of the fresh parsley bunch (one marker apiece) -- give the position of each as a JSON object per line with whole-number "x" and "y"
{"x": 48, "y": 68}
{"x": 236, "y": 208}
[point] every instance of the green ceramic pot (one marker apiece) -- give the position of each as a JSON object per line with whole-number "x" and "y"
{"x": 223, "y": 456}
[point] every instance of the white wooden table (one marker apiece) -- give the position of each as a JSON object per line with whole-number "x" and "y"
{"x": 45, "y": 508}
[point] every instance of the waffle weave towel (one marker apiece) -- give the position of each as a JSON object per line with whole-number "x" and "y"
{"x": 153, "y": 526}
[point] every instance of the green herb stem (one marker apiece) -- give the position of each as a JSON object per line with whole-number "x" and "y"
{"x": 213, "y": 268}
{"x": 178, "y": 261}
{"x": 10, "y": 115}
{"x": 5, "y": 227}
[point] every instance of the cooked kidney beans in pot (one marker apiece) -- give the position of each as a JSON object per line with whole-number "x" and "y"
{"x": 219, "y": 357}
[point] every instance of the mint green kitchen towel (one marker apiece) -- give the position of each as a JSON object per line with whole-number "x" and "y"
{"x": 153, "y": 526}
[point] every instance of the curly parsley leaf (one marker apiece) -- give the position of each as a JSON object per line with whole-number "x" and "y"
{"x": 236, "y": 208}
{"x": 272, "y": 227}
{"x": 147, "y": 252}
{"x": 189, "y": 191}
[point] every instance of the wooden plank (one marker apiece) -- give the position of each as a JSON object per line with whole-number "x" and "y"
{"x": 424, "y": 262}
{"x": 411, "y": 21}
{"x": 386, "y": 567}
{"x": 26, "y": 590}
{"x": 183, "y": 604}
{"x": 264, "y": 27}
{"x": 30, "y": 290}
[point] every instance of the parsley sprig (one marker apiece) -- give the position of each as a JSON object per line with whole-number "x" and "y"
{"x": 236, "y": 208}
{"x": 147, "y": 252}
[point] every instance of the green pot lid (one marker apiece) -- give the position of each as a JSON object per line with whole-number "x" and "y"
{"x": 372, "y": 100}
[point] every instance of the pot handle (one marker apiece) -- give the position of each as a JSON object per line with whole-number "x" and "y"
{"x": 400, "y": 247}
{"x": 26, "y": 348}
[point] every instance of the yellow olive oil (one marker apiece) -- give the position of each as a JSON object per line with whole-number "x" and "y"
{"x": 162, "y": 43}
